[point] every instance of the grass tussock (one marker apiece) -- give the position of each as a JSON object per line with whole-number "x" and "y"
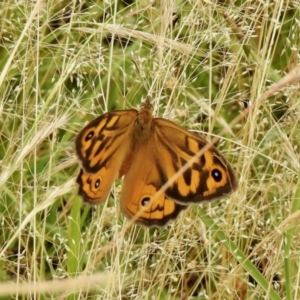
{"x": 206, "y": 65}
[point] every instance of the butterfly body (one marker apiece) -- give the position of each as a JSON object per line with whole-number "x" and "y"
{"x": 148, "y": 151}
{"x": 143, "y": 126}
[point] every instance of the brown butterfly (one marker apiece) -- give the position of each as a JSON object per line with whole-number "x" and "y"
{"x": 148, "y": 151}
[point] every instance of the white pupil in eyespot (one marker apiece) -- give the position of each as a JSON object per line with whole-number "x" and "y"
{"x": 145, "y": 201}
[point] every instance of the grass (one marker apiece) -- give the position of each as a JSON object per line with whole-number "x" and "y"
{"x": 203, "y": 63}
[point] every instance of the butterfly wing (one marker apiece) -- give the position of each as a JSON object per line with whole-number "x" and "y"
{"x": 140, "y": 184}
{"x": 101, "y": 147}
{"x": 89, "y": 187}
{"x": 210, "y": 177}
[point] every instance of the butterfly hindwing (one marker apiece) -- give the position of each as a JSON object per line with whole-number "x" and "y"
{"x": 140, "y": 184}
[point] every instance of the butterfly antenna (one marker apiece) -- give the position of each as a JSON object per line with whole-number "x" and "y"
{"x": 141, "y": 75}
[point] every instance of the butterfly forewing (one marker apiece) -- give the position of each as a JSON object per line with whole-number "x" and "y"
{"x": 102, "y": 147}
{"x": 101, "y": 138}
{"x": 209, "y": 177}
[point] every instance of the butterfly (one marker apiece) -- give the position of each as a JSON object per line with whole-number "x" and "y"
{"x": 148, "y": 151}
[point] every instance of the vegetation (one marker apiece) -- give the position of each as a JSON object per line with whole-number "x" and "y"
{"x": 206, "y": 65}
